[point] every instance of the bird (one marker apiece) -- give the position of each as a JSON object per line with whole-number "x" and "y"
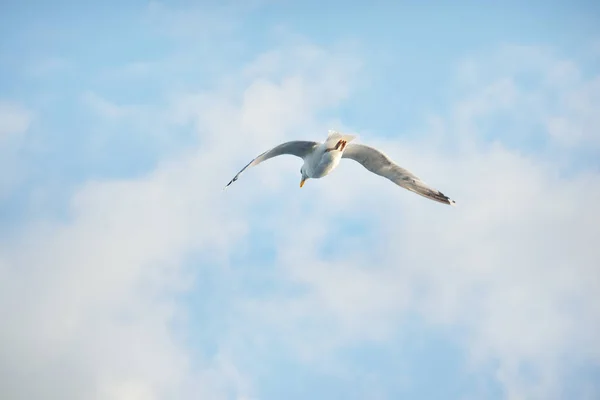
{"x": 321, "y": 158}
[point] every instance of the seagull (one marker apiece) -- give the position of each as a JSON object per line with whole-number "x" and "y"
{"x": 320, "y": 158}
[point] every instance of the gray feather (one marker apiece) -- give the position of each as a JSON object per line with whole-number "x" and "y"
{"x": 380, "y": 164}
{"x": 298, "y": 148}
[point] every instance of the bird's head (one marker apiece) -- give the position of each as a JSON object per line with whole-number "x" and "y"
{"x": 304, "y": 176}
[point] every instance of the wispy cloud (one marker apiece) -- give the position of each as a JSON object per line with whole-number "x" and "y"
{"x": 112, "y": 272}
{"x": 14, "y": 118}
{"x": 576, "y": 124}
{"x": 198, "y": 23}
{"x": 106, "y": 108}
{"x": 540, "y": 98}
{"x": 501, "y": 269}
{"x": 162, "y": 285}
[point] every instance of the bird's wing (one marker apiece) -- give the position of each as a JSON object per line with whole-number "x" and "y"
{"x": 380, "y": 164}
{"x": 299, "y": 148}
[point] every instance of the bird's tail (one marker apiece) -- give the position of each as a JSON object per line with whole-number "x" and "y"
{"x": 335, "y": 137}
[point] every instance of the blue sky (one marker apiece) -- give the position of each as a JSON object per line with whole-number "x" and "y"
{"x": 127, "y": 273}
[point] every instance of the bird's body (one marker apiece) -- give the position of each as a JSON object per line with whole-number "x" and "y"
{"x": 320, "y": 159}
{"x": 324, "y": 163}
{"x": 325, "y": 157}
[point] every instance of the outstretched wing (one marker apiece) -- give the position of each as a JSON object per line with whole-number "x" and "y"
{"x": 378, "y": 163}
{"x": 299, "y": 148}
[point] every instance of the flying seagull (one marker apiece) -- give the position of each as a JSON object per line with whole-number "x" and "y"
{"x": 322, "y": 158}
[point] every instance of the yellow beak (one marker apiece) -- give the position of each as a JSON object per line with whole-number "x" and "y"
{"x": 302, "y": 182}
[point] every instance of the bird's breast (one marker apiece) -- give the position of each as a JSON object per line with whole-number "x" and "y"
{"x": 325, "y": 163}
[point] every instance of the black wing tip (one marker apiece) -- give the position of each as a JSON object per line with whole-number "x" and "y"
{"x": 230, "y": 182}
{"x": 442, "y": 198}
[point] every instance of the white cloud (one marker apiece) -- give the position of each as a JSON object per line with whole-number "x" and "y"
{"x": 578, "y": 122}
{"x": 88, "y": 305}
{"x": 201, "y": 24}
{"x": 96, "y": 317}
{"x": 531, "y": 88}
{"x": 106, "y": 108}
{"x": 14, "y": 119}
{"x": 513, "y": 266}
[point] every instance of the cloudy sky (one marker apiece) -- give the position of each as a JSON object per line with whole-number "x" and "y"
{"x": 127, "y": 273}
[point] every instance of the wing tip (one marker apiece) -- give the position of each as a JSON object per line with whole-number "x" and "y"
{"x": 230, "y": 182}
{"x": 442, "y": 198}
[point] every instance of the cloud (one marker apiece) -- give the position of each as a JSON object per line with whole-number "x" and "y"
{"x": 198, "y": 23}
{"x": 577, "y": 123}
{"x": 14, "y": 118}
{"x": 106, "y": 108}
{"x": 513, "y": 268}
{"x": 536, "y": 94}
{"x": 96, "y": 305}
{"x": 90, "y": 303}
{"x": 100, "y": 309}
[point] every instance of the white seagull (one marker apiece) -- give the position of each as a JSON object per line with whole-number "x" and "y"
{"x": 322, "y": 158}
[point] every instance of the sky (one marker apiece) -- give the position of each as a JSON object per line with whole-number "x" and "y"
{"x": 126, "y": 272}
